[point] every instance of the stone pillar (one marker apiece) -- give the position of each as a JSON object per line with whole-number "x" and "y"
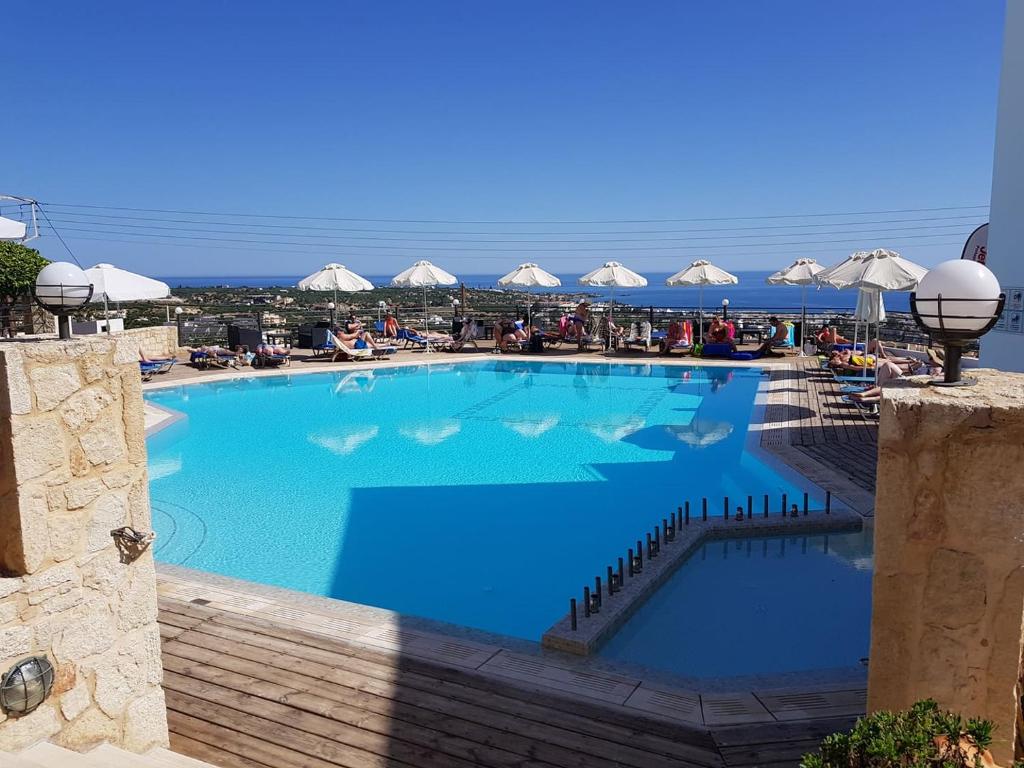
{"x": 948, "y": 594}
{"x": 73, "y": 467}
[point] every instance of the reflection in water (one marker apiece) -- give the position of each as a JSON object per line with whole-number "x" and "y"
{"x": 700, "y": 433}
{"x": 345, "y": 441}
{"x": 164, "y": 467}
{"x": 432, "y": 432}
{"x": 355, "y": 381}
{"x": 532, "y": 426}
{"x": 614, "y": 428}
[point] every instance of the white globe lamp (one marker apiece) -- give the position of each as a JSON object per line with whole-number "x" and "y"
{"x": 956, "y": 302}
{"x": 61, "y": 288}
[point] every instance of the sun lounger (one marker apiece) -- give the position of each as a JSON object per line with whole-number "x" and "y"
{"x": 266, "y": 357}
{"x": 345, "y": 352}
{"x": 639, "y": 336}
{"x": 417, "y": 340}
{"x": 684, "y": 342}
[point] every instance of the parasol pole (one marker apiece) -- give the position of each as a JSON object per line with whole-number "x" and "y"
{"x": 803, "y": 318}
{"x": 701, "y": 316}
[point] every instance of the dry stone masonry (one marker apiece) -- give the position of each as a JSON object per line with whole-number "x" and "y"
{"x": 948, "y": 594}
{"x": 73, "y": 467}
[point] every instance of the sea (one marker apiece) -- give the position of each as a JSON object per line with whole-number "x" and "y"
{"x": 752, "y": 292}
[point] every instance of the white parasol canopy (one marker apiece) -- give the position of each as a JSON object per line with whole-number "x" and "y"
{"x": 424, "y": 275}
{"x": 870, "y": 306}
{"x": 335, "y": 277}
{"x": 881, "y": 269}
{"x": 11, "y": 229}
{"x": 613, "y": 275}
{"x": 113, "y": 284}
{"x": 701, "y": 273}
{"x": 802, "y": 272}
{"x": 529, "y": 275}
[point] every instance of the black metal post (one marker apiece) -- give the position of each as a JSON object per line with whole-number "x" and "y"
{"x": 597, "y": 591}
{"x": 704, "y": 509}
{"x": 806, "y": 502}
{"x": 750, "y": 506}
{"x": 650, "y": 547}
{"x": 177, "y": 319}
{"x": 766, "y": 505}
{"x": 611, "y": 582}
{"x": 629, "y": 554}
{"x": 622, "y": 575}
{"x": 725, "y": 507}
{"x": 785, "y": 507}
{"x": 586, "y": 602}
{"x": 639, "y": 556}
{"x": 686, "y": 519}
{"x": 572, "y": 613}
{"x": 828, "y": 502}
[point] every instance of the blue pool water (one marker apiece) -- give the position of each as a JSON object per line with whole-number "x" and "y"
{"x": 757, "y": 607}
{"x": 483, "y": 493}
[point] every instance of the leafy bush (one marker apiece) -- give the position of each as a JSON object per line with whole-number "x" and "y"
{"x": 19, "y": 266}
{"x": 922, "y": 737}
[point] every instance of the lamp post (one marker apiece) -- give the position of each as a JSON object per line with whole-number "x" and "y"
{"x": 330, "y": 308}
{"x": 957, "y": 301}
{"x": 725, "y": 310}
{"x": 60, "y": 288}
{"x": 178, "y": 312}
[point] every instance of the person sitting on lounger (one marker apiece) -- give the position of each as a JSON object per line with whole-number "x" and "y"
{"x": 506, "y": 332}
{"x": 718, "y": 333}
{"x": 390, "y": 326}
{"x": 828, "y": 335}
{"x": 779, "y": 337}
{"x": 352, "y": 324}
{"x": 243, "y": 356}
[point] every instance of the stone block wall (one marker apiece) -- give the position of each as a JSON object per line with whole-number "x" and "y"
{"x": 948, "y": 593}
{"x": 73, "y": 467}
{"x": 155, "y": 341}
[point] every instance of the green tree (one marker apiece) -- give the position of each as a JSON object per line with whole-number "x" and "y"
{"x": 19, "y": 266}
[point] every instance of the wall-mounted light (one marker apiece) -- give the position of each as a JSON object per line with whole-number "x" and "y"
{"x": 61, "y": 288}
{"x": 956, "y": 302}
{"x": 26, "y": 685}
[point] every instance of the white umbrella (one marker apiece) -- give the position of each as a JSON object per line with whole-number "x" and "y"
{"x": 529, "y": 275}
{"x": 423, "y": 274}
{"x": 613, "y": 275}
{"x": 11, "y": 229}
{"x": 701, "y": 273}
{"x": 877, "y": 271}
{"x": 801, "y": 272}
{"x": 824, "y": 278}
{"x": 113, "y": 284}
{"x": 335, "y": 277}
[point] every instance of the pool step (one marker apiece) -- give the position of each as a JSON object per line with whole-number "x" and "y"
{"x": 46, "y": 755}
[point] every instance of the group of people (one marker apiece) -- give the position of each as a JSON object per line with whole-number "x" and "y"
{"x": 885, "y": 366}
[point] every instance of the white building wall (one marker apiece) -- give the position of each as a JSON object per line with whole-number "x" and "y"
{"x": 1001, "y": 348}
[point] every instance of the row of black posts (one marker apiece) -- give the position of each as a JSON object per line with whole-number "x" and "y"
{"x": 615, "y": 577}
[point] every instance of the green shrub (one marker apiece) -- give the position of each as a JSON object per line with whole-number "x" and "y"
{"x": 922, "y": 737}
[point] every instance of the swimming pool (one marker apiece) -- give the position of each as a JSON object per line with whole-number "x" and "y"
{"x": 482, "y": 493}
{"x": 751, "y": 607}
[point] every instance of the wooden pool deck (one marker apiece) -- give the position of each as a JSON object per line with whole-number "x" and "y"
{"x": 245, "y": 691}
{"x": 247, "y": 688}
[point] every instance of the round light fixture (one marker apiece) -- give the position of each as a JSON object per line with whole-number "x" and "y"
{"x": 330, "y": 305}
{"x": 60, "y": 288}
{"x": 956, "y": 302}
{"x": 178, "y": 310}
{"x": 26, "y": 685}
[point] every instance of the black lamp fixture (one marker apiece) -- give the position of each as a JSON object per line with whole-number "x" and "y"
{"x": 26, "y": 685}
{"x": 956, "y": 302}
{"x": 61, "y": 288}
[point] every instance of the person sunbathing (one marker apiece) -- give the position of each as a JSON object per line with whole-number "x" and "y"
{"x": 466, "y": 336}
{"x": 718, "y": 333}
{"x": 243, "y": 356}
{"x": 356, "y": 339}
{"x": 829, "y": 335}
{"x": 390, "y": 326}
{"x": 433, "y": 335}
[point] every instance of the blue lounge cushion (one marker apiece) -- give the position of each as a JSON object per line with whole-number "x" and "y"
{"x": 716, "y": 350}
{"x": 745, "y": 355}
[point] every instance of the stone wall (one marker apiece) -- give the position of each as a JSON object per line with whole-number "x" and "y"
{"x": 948, "y": 595}
{"x": 155, "y": 341}
{"x": 73, "y": 467}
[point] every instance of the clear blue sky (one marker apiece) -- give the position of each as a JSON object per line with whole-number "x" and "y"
{"x": 499, "y": 111}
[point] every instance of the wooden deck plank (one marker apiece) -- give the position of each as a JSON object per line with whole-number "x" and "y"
{"x": 546, "y": 742}
{"x": 582, "y": 717}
